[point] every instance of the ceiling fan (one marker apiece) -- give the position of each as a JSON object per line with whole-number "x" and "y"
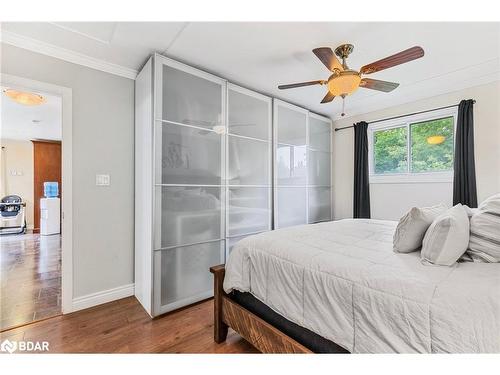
{"x": 344, "y": 81}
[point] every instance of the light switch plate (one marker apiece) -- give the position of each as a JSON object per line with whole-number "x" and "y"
{"x": 102, "y": 180}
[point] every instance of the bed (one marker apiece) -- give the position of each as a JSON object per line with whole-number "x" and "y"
{"x": 341, "y": 281}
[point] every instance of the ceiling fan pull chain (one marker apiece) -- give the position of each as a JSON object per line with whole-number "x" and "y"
{"x": 343, "y": 106}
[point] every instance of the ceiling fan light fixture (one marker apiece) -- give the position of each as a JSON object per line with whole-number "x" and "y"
{"x": 25, "y": 98}
{"x": 344, "y": 83}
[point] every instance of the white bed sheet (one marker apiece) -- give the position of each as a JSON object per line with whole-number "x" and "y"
{"x": 342, "y": 280}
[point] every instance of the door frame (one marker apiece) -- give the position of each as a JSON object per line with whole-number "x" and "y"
{"x": 67, "y": 177}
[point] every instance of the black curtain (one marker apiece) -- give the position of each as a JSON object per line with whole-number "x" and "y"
{"x": 361, "y": 182}
{"x": 464, "y": 180}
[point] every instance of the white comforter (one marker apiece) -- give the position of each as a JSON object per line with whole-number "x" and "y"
{"x": 343, "y": 281}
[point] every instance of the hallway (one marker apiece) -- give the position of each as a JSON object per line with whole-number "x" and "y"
{"x": 30, "y": 268}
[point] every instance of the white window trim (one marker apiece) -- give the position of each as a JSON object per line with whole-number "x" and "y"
{"x": 409, "y": 177}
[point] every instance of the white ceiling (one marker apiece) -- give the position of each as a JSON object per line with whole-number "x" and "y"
{"x": 17, "y": 119}
{"x": 262, "y": 55}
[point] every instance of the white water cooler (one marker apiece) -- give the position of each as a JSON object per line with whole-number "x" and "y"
{"x": 50, "y": 216}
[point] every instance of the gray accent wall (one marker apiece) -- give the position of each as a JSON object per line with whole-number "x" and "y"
{"x": 103, "y": 143}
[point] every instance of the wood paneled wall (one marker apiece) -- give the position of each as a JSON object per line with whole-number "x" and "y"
{"x": 47, "y": 167}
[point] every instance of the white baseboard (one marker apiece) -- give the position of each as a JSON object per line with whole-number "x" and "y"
{"x": 104, "y": 296}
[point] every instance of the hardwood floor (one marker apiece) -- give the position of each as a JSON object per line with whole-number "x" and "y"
{"x": 124, "y": 327}
{"x": 30, "y": 268}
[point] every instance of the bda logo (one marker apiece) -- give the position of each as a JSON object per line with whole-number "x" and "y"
{"x": 8, "y": 346}
{"x": 24, "y": 346}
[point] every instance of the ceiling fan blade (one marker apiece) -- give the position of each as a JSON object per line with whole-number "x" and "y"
{"x": 293, "y": 85}
{"x": 397, "y": 59}
{"x": 327, "y": 57}
{"x": 328, "y": 97}
{"x": 375, "y": 84}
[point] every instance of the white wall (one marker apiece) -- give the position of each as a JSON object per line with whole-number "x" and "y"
{"x": 103, "y": 142}
{"x": 390, "y": 201}
{"x": 18, "y": 173}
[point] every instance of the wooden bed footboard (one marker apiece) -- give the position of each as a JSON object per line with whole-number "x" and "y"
{"x": 262, "y": 335}
{"x": 220, "y": 328}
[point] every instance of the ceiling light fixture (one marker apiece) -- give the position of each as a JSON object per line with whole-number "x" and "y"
{"x": 436, "y": 139}
{"x": 344, "y": 83}
{"x": 25, "y": 98}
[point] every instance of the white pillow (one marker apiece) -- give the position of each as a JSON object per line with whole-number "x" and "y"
{"x": 484, "y": 242}
{"x": 447, "y": 238}
{"x": 412, "y": 227}
{"x": 470, "y": 211}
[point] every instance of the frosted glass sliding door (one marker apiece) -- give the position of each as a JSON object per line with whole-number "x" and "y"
{"x": 249, "y": 210}
{"x": 291, "y": 206}
{"x": 290, "y": 165}
{"x": 189, "y": 178}
{"x": 319, "y": 200}
{"x": 190, "y": 97}
{"x": 187, "y": 155}
{"x": 187, "y": 215}
{"x": 249, "y": 164}
{"x": 319, "y": 169}
{"x": 248, "y": 161}
{"x": 215, "y": 164}
{"x": 302, "y": 166}
{"x": 182, "y": 276}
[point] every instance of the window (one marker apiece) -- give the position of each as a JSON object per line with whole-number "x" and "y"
{"x": 390, "y": 153}
{"x": 413, "y": 149}
{"x": 432, "y": 145}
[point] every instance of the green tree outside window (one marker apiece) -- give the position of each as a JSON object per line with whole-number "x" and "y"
{"x": 390, "y": 148}
{"x": 427, "y": 157}
{"x": 390, "y": 151}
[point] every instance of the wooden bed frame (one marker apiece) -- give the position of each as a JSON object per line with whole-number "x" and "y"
{"x": 262, "y": 335}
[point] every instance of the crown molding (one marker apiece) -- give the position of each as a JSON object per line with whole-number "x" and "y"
{"x": 34, "y": 45}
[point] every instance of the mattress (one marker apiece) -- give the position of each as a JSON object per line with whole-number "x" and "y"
{"x": 342, "y": 281}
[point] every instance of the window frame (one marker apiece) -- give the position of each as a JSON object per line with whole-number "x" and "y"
{"x": 406, "y": 122}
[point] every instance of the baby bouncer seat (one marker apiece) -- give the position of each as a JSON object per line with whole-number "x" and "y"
{"x": 12, "y": 215}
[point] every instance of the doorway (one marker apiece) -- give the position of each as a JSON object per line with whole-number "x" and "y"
{"x": 31, "y": 229}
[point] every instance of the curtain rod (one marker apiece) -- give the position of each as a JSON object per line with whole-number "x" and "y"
{"x": 408, "y": 114}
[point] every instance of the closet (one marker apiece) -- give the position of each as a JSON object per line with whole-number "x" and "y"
{"x": 214, "y": 163}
